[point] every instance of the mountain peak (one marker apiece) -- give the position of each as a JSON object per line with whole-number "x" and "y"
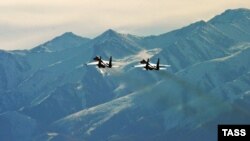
{"x": 231, "y": 15}
{"x": 67, "y": 35}
{"x": 110, "y": 33}
{"x": 239, "y": 11}
{"x": 64, "y": 41}
{"x": 200, "y": 23}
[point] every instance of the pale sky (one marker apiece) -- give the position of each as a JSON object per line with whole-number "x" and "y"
{"x": 25, "y": 24}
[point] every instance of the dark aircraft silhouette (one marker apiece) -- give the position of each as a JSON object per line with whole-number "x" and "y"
{"x": 150, "y": 66}
{"x": 102, "y": 63}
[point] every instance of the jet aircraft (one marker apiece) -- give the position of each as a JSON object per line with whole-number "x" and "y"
{"x": 102, "y": 63}
{"x": 150, "y": 66}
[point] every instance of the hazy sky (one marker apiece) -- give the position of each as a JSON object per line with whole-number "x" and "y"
{"x": 28, "y": 23}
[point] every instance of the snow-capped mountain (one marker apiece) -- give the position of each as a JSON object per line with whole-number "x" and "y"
{"x": 111, "y": 43}
{"x": 237, "y": 26}
{"x": 65, "y": 41}
{"x": 48, "y": 93}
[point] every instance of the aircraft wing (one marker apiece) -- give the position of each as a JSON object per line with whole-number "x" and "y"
{"x": 164, "y": 65}
{"x": 141, "y": 65}
{"x": 106, "y": 62}
{"x": 152, "y": 64}
{"x": 159, "y": 69}
{"x": 92, "y": 63}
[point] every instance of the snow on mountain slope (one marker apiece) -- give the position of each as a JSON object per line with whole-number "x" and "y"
{"x": 97, "y": 115}
{"x": 53, "y": 105}
{"x": 213, "y": 73}
{"x": 208, "y": 79}
{"x": 175, "y": 107}
{"x": 111, "y": 43}
{"x": 125, "y": 63}
{"x": 237, "y": 89}
{"x": 182, "y": 101}
{"x": 234, "y": 24}
{"x": 43, "y": 73}
{"x": 191, "y": 44}
{"x": 147, "y": 114}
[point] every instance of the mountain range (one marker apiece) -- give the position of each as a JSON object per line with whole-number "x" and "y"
{"x": 47, "y": 93}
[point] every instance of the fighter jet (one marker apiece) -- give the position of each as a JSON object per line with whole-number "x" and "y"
{"x": 150, "y": 66}
{"x": 102, "y": 63}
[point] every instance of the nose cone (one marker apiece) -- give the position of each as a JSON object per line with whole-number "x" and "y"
{"x": 143, "y": 61}
{"x": 96, "y": 58}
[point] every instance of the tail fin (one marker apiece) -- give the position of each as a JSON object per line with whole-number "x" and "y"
{"x": 110, "y": 62}
{"x": 158, "y": 64}
{"x": 99, "y": 61}
{"x": 147, "y": 64}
